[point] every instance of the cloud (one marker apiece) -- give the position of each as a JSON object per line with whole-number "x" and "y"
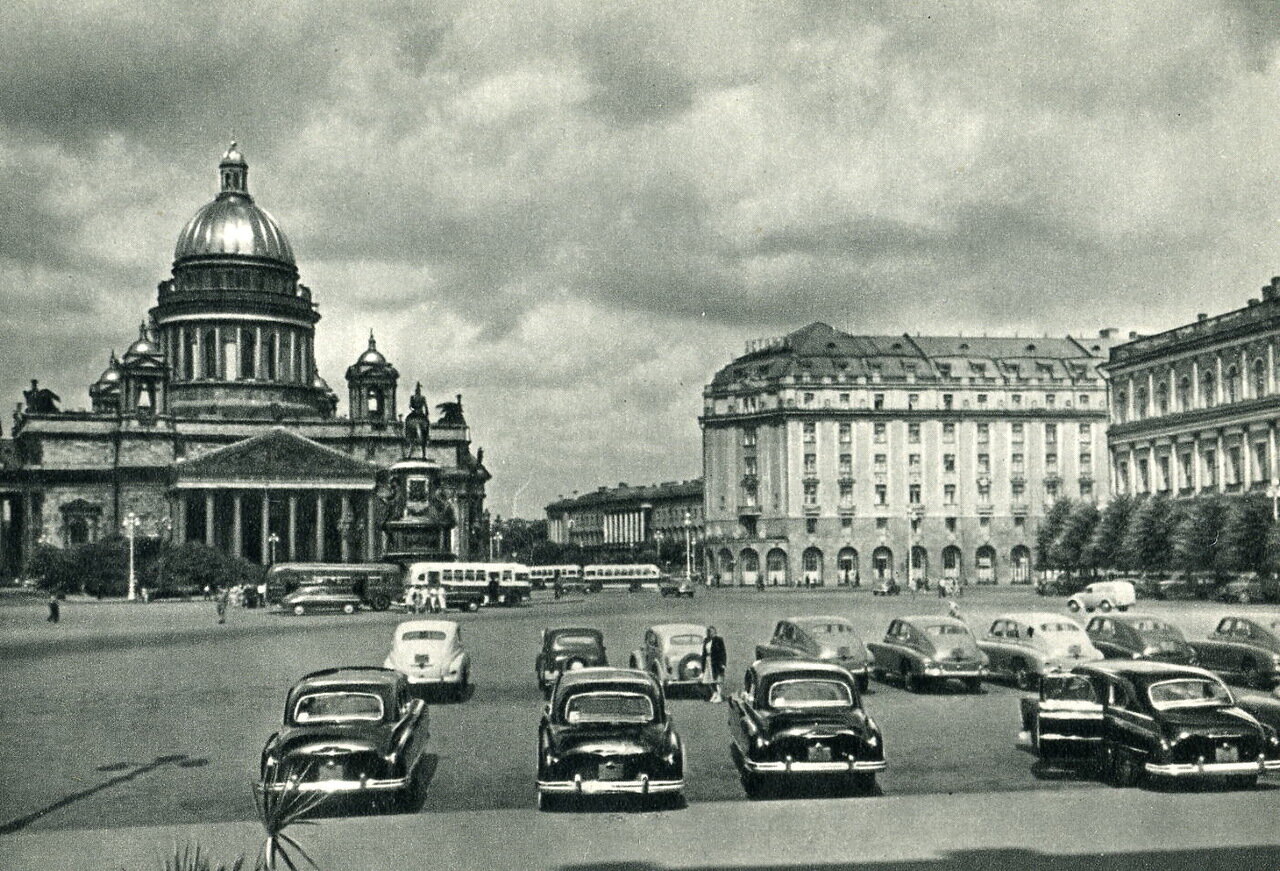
{"x": 574, "y": 213}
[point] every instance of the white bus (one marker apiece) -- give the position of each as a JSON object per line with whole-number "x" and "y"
{"x": 545, "y": 576}
{"x": 469, "y": 585}
{"x": 629, "y": 576}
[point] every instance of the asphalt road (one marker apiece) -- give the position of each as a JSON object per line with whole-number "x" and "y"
{"x": 130, "y": 715}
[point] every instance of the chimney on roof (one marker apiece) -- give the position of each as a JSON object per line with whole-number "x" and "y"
{"x": 1254, "y": 301}
{"x": 1202, "y": 317}
{"x": 1108, "y": 333}
{"x": 1269, "y": 290}
{"x": 1133, "y": 334}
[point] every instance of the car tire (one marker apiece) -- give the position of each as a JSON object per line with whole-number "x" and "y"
{"x": 911, "y": 681}
{"x": 547, "y": 802}
{"x": 348, "y": 608}
{"x": 473, "y": 605}
{"x": 1104, "y": 606}
{"x": 864, "y": 683}
{"x": 973, "y": 685}
{"x": 460, "y": 691}
{"x": 1123, "y": 769}
{"x": 1248, "y": 781}
{"x": 1023, "y": 677}
{"x": 1073, "y": 606}
{"x": 380, "y": 602}
{"x": 863, "y": 783}
{"x": 299, "y": 610}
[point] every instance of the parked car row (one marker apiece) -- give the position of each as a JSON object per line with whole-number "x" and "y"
{"x": 1242, "y": 590}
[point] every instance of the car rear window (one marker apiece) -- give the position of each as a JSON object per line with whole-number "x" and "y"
{"x": 810, "y": 693}
{"x": 829, "y": 628}
{"x": 945, "y": 629}
{"x": 338, "y": 707}
{"x": 562, "y": 642}
{"x": 1059, "y": 627}
{"x": 1187, "y": 693}
{"x": 1152, "y": 626}
{"x": 423, "y": 635}
{"x": 686, "y": 640}
{"x": 608, "y": 707}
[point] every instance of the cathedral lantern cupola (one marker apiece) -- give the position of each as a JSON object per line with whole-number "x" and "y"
{"x": 144, "y": 375}
{"x": 371, "y": 383}
{"x": 236, "y": 326}
{"x": 104, "y": 394}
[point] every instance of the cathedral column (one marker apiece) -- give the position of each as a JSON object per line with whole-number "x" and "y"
{"x": 293, "y": 526}
{"x": 237, "y": 543}
{"x": 265, "y": 532}
{"x": 1197, "y": 474}
{"x": 344, "y": 526}
{"x": 369, "y": 530}
{"x": 1271, "y": 368}
{"x": 180, "y": 519}
{"x": 319, "y": 527}
{"x": 208, "y": 517}
{"x": 1197, "y": 401}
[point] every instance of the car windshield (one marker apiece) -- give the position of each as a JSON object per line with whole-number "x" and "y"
{"x": 810, "y": 693}
{"x": 830, "y": 628}
{"x": 423, "y": 635}
{"x": 945, "y": 629}
{"x": 686, "y": 640}
{"x": 1188, "y": 693}
{"x": 338, "y": 707}
{"x": 1154, "y": 627}
{"x": 608, "y": 707}
{"x": 564, "y": 642}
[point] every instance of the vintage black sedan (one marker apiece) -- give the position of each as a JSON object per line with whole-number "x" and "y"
{"x": 606, "y": 731}
{"x": 1244, "y": 650}
{"x": 348, "y": 730}
{"x": 568, "y": 649}
{"x": 1136, "y": 718}
{"x": 1140, "y": 636}
{"x": 796, "y": 719}
{"x": 927, "y": 650}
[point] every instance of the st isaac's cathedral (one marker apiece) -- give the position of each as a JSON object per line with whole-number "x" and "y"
{"x": 216, "y": 426}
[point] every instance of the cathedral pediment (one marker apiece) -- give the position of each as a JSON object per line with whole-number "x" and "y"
{"x": 277, "y": 455}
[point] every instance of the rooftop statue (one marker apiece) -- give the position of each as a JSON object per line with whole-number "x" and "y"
{"x": 41, "y": 400}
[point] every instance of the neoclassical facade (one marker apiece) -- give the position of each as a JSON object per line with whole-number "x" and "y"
{"x": 216, "y": 426}
{"x": 613, "y": 521}
{"x": 1195, "y": 408}
{"x": 831, "y": 458}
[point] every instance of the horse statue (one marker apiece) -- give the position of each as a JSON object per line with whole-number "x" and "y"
{"x": 417, "y": 424}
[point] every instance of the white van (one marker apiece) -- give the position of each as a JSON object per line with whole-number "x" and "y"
{"x": 1104, "y": 595}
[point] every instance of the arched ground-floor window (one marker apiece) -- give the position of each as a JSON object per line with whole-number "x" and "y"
{"x": 984, "y": 565}
{"x": 847, "y": 567}
{"x": 811, "y": 560}
{"x": 776, "y": 563}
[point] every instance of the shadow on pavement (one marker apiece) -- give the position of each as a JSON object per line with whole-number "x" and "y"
{"x": 131, "y": 771}
{"x": 1206, "y": 859}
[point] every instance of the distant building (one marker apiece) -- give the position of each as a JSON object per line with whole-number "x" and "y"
{"x": 613, "y": 522}
{"x": 215, "y": 425}
{"x": 1195, "y": 408}
{"x": 831, "y": 458}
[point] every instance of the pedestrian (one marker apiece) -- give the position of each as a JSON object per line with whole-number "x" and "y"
{"x": 953, "y": 609}
{"x": 54, "y": 609}
{"x": 207, "y": 592}
{"x": 223, "y": 597}
{"x": 713, "y": 662}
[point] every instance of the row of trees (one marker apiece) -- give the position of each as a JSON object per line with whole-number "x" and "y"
{"x": 1211, "y": 533}
{"x": 101, "y": 568}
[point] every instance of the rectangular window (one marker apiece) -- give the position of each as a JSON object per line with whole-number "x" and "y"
{"x": 882, "y": 523}
{"x": 810, "y": 465}
{"x": 984, "y": 522}
{"x": 1018, "y": 490}
{"x": 1086, "y": 432}
{"x": 846, "y": 523}
{"x": 913, "y": 433}
{"x": 881, "y": 462}
{"x": 1210, "y": 477}
{"x": 948, "y": 462}
{"x": 913, "y": 461}
{"x": 846, "y": 433}
{"x": 984, "y": 464}
{"x": 1262, "y": 469}
{"x": 844, "y": 399}
{"x": 810, "y": 492}
{"x": 749, "y": 466}
{"x": 1016, "y": 464}
{"x": 811, "y": 525}
{"x": 882, "y": 494}
{"x": 984, "y": 491}
{"x": 1086, "y": 489}
{"x": 951, "y": 524}
{"x": 1017, "y": 400}
{"x": 1084, "y": 400}
{"x": 1019, "y": 522}
{"x": 1051, "y": 491}
{"x": 1235, "y": 473}
{"x": 1162, "y": 471}
{"x": 810, "y": 433}
{"x": 881, "y": 433}
{"x": 846, "y": 465}
{"x": 1050, "y": 433}
{"x": 1050, "y": 400}
{"x": 808, "y": 399}
{"x": 913, "y": 400}
{"x": 1017, "y": 433}
{"x": 947, "y": 400}
{"x": 949, "y": 494}
{"x": 748, "y": 436}
{"x": 1086, "y": 462}
{"x": 1188, "y": 470}
{"x": 984, "y": 433}
{"x": 949, "y": 433}
{"x": 982, "y": 400}
{"x": 877, "y": 401}
{"x": 846, "y": 494}
{"x": 1051, "y": 462}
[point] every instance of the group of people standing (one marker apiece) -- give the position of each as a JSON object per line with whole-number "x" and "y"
{"x": 429, "y": 599}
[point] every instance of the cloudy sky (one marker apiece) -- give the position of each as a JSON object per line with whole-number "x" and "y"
{"x": 574, "y": 213}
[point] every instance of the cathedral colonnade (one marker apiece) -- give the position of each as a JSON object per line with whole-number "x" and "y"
{"x": 312, "y": 524}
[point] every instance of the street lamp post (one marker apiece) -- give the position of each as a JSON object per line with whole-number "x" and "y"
{"x": 688, "y": 551}
{"x": 272, "y": 541}
{"x": 495, "y": 544}
{"x": 131, "y": 524}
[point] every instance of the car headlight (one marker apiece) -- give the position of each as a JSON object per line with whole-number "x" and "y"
{"x": 761, "y": 742}
{"x": 927, "y": 663}
{"x": 873, "y": 740}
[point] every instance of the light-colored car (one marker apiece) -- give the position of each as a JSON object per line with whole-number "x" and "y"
{"x": 1104, "y": 595}
{"x": 672, "y": 653}
{"x": 430, "y": 653}
{"x": 825, "y": 638}
{"x": 306, "y": 600}
{"x": 1027, "y": 645}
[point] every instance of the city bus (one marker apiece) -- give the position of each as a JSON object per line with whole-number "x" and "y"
{"x": 470, "y": 585}
{"x": 377, "y": 584}
{"x": 546, "y": 576}
{"x": 631, "y": 577}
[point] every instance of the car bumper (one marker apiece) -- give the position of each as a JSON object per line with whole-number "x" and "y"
{"x": 794, "y": 767}
{"x": 959, "y": 673}
{"x": 579, "y": 786}
{"x": 1209, "y": 769}
{"x": 332, "y": 787}
{"x": 432, "y": 680}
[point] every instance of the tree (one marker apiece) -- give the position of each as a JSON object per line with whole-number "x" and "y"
{"x": 1070, "y": 547}
{"x": 1197, "y": 535}
{"x": 1047, "y": 532}
{"x": 1147, "y": 537}
{"x": 1106, "y": 545}
{"x": 1244, "y": 535}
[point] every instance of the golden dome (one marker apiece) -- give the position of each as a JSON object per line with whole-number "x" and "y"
{"x": 232, "y": 225}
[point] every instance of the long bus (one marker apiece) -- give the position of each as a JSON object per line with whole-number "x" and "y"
{"x": 377, "y": 584}
{"x": 631, "y": 577}
{"x": 470, "y": 585}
